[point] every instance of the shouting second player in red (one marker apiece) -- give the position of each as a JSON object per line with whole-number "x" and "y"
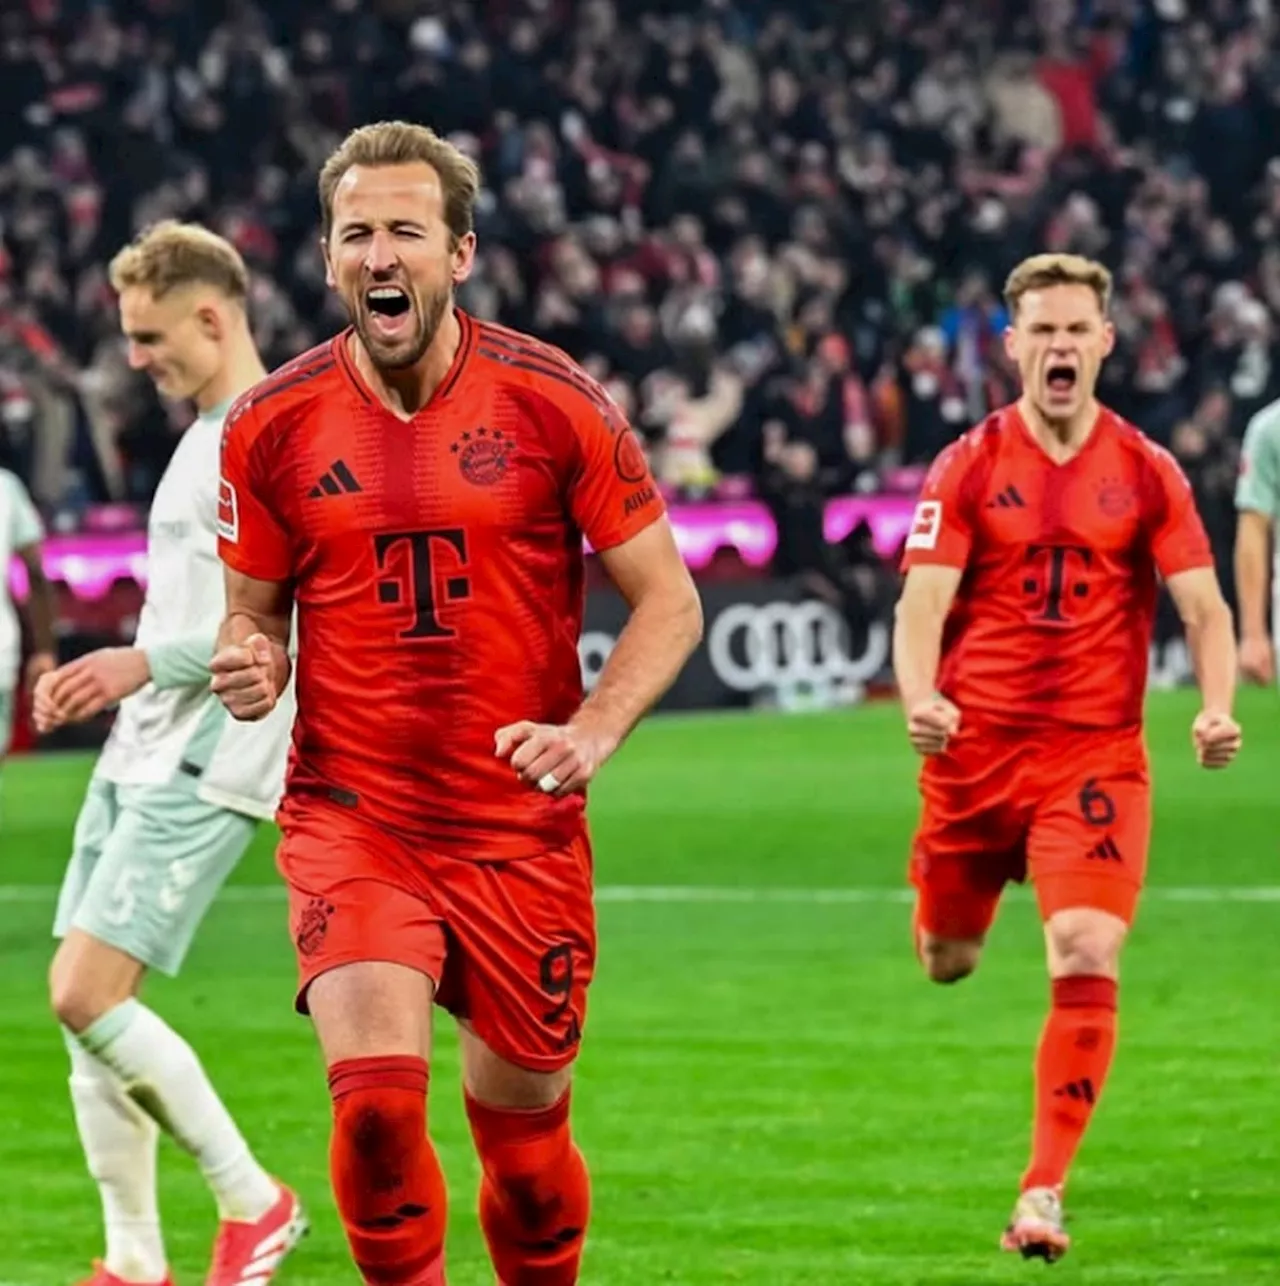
{"x": 419, "y": 489}
{"x": 1020, "y": 649}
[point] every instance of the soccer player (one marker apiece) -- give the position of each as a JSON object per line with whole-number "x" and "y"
{"x": 21, "y": 532}
{"x": 175, "y": 799}
{"x": 1020, "y": 649}
{"x": 1257, "y": 537}
{"x": 420, "y": 487}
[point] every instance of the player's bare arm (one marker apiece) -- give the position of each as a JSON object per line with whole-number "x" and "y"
{"x": 921, "y": 612}
{"x": 101, "y": 679}
{"x": 251, "y": 667}
{"x": 1211, "y": 640}
{"x": 83, "y": 688}
{"x": 1252, "y": 571}
{"x": 662, "y": 631}
{"x": 44, "y": 652}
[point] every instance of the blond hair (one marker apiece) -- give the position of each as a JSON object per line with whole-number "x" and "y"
{"x": 1041, "y": 271}
{"x": 170, "y": 254}
{"x": 400, "y": 143}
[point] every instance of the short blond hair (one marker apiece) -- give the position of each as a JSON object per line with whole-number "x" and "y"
{"x": 170, "y": 254}
{"x": 1041, "y": 271}
{"x": 400, "y": 143}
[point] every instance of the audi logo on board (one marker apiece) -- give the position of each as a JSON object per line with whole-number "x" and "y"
{"x": 777, "y": 645}
{"x": 756, "y": 647}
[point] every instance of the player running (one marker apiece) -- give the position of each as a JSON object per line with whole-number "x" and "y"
{"x": 21, "y": 533}
{"x": 1257, "y": 537}
{"x": 1020, "y": 649}
{"x": 420, "y": 487}
{"x": 175, "y": 799}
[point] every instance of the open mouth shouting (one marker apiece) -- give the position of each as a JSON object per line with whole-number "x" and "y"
{"x": 1060, "y": 379}
{"x": 390, "y": 312}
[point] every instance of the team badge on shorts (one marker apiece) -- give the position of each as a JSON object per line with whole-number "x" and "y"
{"x": 313, "y": 924}
{"x": 483, "y": 455}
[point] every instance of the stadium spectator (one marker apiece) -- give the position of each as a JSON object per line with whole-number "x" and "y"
{"x": 696, "y": 200}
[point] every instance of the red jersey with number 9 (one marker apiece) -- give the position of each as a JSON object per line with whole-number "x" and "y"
{"x": 437, "y": 566}
{"x": 1053, "y": 618}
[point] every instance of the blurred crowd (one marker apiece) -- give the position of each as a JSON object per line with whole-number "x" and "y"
{"x": 776, "y": 230}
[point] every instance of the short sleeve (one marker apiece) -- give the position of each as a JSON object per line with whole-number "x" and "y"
{"x": 25, "y": 527}
{"x": 941, "y": 531}
{"x": 1258, "y": 486}
{"x": 611, "y": 493}
{"x": 251, "y": 539}
{"x": 1179, "y": 542}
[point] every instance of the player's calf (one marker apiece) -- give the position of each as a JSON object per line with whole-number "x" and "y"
{"x": 1078, "y": 1041}
{"x": 535, "y": 1193}
{"x": 386, "y": 1176}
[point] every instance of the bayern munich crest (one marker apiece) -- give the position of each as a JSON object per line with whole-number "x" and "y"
{"x": 483, "y": 455}
{"x": 1115, "y": 498}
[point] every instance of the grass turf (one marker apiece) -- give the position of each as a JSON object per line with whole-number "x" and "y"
{"x": 769, "y": 1093}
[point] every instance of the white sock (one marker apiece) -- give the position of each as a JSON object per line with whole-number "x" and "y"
{"x": 119, "y": 1142}
{"x": 163, "y": 1076}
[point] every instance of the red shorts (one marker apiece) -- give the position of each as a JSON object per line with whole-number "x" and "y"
{"x": 1070, "y": 809}
{"x": 510, "y": 945}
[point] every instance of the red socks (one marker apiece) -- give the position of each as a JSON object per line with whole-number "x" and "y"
{"x": 1071, "y": 1068}
{"x": 535, "y": 1196}
{"x": 386, "y": 1178}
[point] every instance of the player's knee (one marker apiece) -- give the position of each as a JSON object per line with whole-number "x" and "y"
{"x": 375, "y": 1127}
{"x": 1083, "y": 942}
{"x": 79, "y": 999}
{"x": 948, "y": 960}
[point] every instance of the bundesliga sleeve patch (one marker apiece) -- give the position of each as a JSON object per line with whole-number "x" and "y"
{"x": 925, "y": 525}
{"x": 228, "y": 512}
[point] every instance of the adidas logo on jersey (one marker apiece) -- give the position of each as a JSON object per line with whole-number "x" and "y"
{"x": 1009, "y": 498}
{"x": 1105, "y": 851}
{"x": 339, "y": 480}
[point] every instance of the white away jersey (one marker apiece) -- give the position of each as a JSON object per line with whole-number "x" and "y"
{"x": 1258, "y": 487}
{"x": 160, "y": 731}
{"x": 20, "y": 526}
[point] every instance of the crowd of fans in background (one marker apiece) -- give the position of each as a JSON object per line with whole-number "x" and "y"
{"x": 777, "y": 231}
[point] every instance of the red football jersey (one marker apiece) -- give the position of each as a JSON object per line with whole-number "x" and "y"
{"x": 438, "y": 573}
{"x": 1052, "y": 621}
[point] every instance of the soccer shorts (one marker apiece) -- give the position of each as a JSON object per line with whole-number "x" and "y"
{"x": 509, "y": 945}
{"x": 1071, "y": 809}
{"x": 146, "y": 863}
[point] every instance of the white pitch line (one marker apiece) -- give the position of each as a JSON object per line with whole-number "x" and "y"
{"x": 712, "y": 895}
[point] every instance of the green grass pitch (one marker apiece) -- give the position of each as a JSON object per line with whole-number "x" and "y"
{"x": 770, "y": 1094}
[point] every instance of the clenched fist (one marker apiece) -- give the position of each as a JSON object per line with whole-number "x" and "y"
{"x": 1217, "y": 739}
{"x": 931, "y": 724}
{"x": 249, "y": 677}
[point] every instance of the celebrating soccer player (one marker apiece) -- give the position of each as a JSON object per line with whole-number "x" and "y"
{"x": 1020, "y": 649}
{"x": 420, "y": 487}
{"x": 175, "y": 799}
{"x": 1257, "y": 536}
